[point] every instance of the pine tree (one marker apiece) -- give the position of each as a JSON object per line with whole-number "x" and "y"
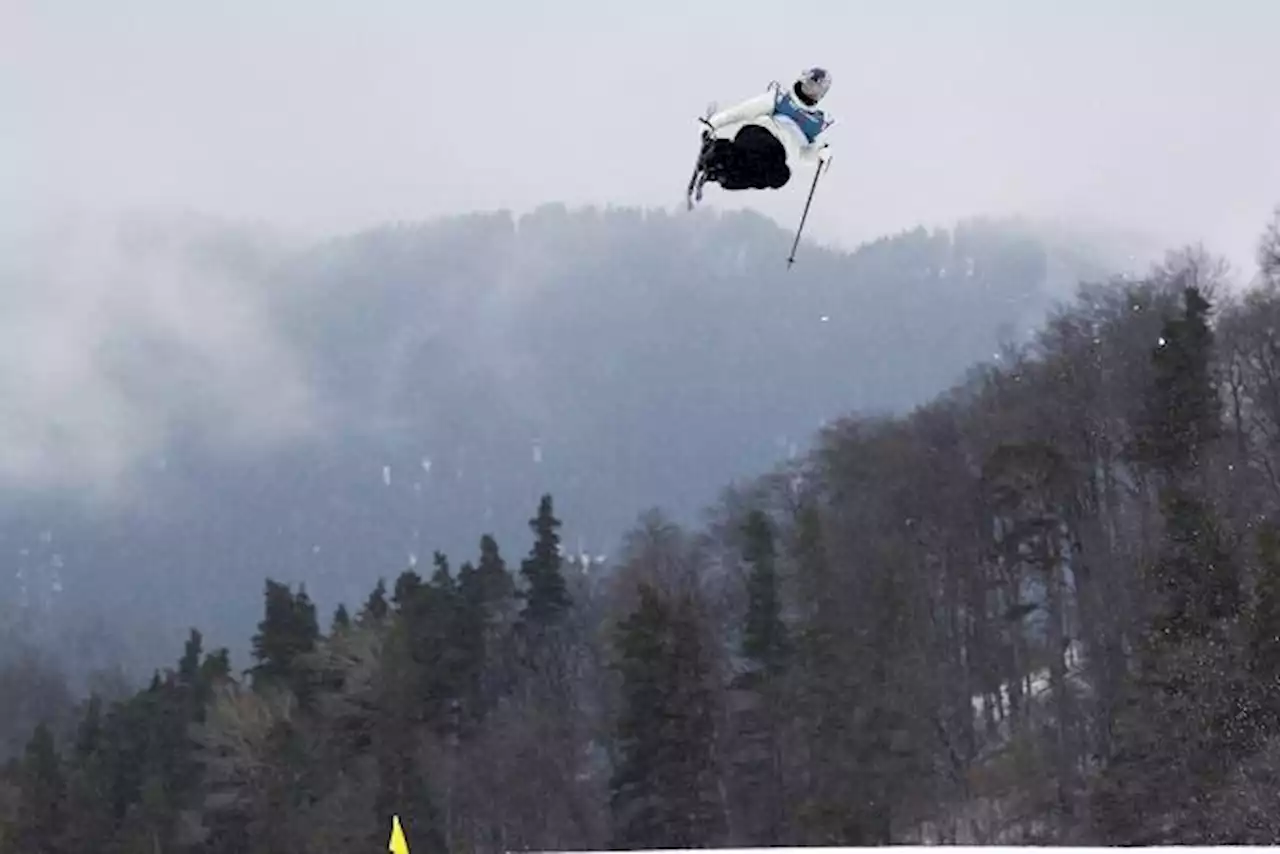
{"x": 546, "y": 595}
{"x": 1181, "y": 720}
{"x": 428, "y": 630}
{"x": 1183, "y": 412}
{"x": 485, "y": 595}
{"x": 287, "y": 631}
{"x": 494, "y": 580}
{"x": 1195, "y": 580}
{"x": 190, "y": 692}
{"x": 470, "y": 641}
{"x": 305, "y": 617}
{"x": 341, "y": 620}
{"x": 216, "y": 667}
{"x": 663, "y": 790}
{"x": 407, "y": 589}
{"x": 375, "y": 607}
{"x": 189, "y": 664}
{"x": 445, "y": 613}
{"x": 442, "y": 578}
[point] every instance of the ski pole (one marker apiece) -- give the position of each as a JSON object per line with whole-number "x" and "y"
{"x": 816, "y": 175}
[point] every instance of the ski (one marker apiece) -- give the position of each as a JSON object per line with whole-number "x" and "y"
{"x": 693, "y": 193}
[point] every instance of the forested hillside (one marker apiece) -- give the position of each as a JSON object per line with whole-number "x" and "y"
{"x": 331, "y": 412}
{"x": 1040, "y": 608}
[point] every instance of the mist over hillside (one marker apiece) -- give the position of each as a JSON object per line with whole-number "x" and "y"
{"x": 220, "y": 404}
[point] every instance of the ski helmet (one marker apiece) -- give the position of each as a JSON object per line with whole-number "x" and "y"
{"x": 813, "y": 84}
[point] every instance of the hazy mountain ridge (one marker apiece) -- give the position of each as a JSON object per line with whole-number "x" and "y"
{"x": 445, "y": 374}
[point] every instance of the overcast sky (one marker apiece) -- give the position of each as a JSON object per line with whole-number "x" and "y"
{"x": 1153, "y": 114}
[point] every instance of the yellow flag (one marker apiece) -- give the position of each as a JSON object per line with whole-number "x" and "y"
{"x": 397, "y": 844}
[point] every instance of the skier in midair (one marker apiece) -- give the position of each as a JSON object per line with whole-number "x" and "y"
{"x": 774, "y": 131}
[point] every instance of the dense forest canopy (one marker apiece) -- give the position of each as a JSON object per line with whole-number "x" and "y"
{"x": 1040, "y": 607}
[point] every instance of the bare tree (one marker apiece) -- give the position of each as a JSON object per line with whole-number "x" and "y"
{"x": 1269, "y": 250}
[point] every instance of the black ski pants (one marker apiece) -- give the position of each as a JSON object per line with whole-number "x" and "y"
{"x": 753, "y": 160}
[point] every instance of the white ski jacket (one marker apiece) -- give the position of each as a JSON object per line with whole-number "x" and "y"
{"x": 799, "y": 128}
